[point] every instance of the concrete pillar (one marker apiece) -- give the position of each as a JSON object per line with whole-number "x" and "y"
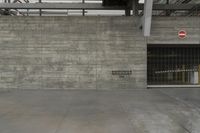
{"x": 147, "y": 17}
{"x": 194, "y": 77}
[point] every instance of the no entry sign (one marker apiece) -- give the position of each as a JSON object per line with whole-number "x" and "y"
{"x": 182, "y": 34}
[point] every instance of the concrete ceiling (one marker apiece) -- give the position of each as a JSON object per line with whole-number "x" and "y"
{"x": 108, "y": 2}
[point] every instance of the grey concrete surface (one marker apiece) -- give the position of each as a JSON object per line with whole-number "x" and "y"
{"x": 165, "y": 30}
{"x": 71, "y": 53}
{"x": 82, "y": 52}
{"x": 92, "y": 111}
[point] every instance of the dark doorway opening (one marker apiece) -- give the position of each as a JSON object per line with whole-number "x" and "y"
{"x": 173, "y": 64}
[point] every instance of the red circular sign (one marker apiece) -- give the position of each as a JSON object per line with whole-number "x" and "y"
{"x": 182, "y": 34}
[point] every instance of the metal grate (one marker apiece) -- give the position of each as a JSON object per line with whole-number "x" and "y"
{"x": 173, "y": 64}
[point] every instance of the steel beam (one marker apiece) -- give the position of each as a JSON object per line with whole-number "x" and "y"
{"x": 83, "y": 12}
{"x": 147, "y": 17}
{"x": 169, "y": 6}
{"x": 135, "y": 7}
{"x": 72, "y": 6}
{"x": 90, "y": 6}
{"x": 40, "y": 1}
{"x": 51, "y": 12}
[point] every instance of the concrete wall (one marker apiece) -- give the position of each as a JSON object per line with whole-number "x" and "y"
{"x": 71, "y": 53}
{"x": 83, "y": 52}
{"x": 165, "y": 30}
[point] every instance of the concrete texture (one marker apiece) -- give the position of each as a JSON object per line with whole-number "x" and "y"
{"x": 71, "y": 53}
{"x": 83, "y": 52}
{"x": 131, "y": 111}
{"x": 165, "y": 30}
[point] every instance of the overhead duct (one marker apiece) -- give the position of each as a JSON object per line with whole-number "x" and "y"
{"x": 115, "y": 2}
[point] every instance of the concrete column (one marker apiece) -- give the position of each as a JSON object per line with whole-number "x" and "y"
{"x": 147, "y": 17}
{"x": 194, "y": 77}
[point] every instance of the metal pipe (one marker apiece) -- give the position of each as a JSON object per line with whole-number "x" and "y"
{"x": 58, "y": 6}
{"x": 40, "y": 1}
{"x": 83, "y": 1}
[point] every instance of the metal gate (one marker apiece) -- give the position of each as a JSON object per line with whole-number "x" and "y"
{"x": 173, "y": 64}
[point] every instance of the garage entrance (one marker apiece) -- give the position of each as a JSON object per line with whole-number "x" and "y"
{"x": 173, "y": 64}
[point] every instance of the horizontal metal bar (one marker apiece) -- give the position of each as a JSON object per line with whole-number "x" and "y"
{"x": 170, "y": 6}
{"x": 173, "y": 86}
{"x": 74, "y": 6}
{"x": 90, "y": 6}
{"x": 52, "y": 12}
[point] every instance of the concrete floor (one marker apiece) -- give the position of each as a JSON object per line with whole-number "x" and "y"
{"x": 123, "y": 111}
